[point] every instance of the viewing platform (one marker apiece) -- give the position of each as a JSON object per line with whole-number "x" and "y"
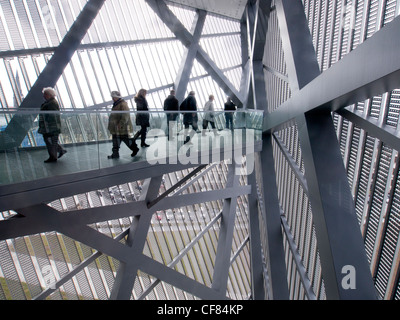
{"x": 88, "y": 144}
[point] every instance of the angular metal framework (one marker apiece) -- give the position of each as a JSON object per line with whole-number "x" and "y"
{"x": 317, "y": 218}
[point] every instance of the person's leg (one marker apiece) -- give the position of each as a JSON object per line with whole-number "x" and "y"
{"x": 61, "y": 151}
{"x": 131, "y": 144}
{"x": 116, "y": 141}
{"x": 205, "y": 125}
{"x": 230, "y": 119}
{"x": 215, "y": 130}
{"x": 185, "y": 133}
{"x": 51, "y": 142}
{"x": 137, "y": 134}
{"x": 172, "y": 129}
{"x": 143, "y": 133}
{"x": 192, "y": 132}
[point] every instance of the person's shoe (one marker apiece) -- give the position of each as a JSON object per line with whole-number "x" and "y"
{"x": 50, "y": 160}
{"x": 134, "y": 148}
{"x": 144, "y": 145}
{"x": 62, "y": 152}
{"x": 113, "y": 156}
{"x": 134, "y": 151}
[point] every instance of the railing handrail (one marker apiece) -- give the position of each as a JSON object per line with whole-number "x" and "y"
{"x": 91, "y": 111}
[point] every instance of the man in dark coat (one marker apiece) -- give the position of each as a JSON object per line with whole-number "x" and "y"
{"x": 171, "y": 103}
{"x": 142, "y": 118}
{"x": 229, "y": 107}
{"x": 189, "y": 118}
{"x": 50, "y": 125}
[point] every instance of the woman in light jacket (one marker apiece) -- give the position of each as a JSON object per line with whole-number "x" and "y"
{"x": 209, "y": 116}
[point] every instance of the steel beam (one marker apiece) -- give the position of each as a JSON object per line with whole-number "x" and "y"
{"x": 338, "y": 234}
{"x": 257, "y": 22}
{"x": 257, "y": 17}
{"x": 275, "y": 250}
{"x": 352, "y": 79}
{"x": 257, "y": 272}
{"x": 183, "y": 253}
{"x": 301, "y": 63}
{"x": 37, "y": 223}
{"x": 44, "y": 294}
{"x": 389, "y": 135}
{"x": 292, "y": 163}
{"x": 19, "y": 195}
{"x": 179, "y": 280}
{"x": 224, "y": 246}
{"x": 185, "y": 69}
{"x": 171, "y": 21}
{"x": 297, "y": 260}
{"x": 127, "y": 272}
{"x": 19, "y": 126}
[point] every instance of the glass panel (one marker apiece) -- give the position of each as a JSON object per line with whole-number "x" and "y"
{"x": 86, "y": 137}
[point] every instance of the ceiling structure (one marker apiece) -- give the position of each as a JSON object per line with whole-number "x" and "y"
{"x": 228, "y": 8}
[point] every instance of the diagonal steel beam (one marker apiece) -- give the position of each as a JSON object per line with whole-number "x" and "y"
{"x": 338, "y": 233}
{"x": 352, "y": 79}
{"x": 183, "y": 253}
{"x": 257, "y": 281}
{"x": 172, "y": 22}
{"x": 47, "y": 216}
{"x": 225, "y": 237}
{"x": 300, "y": 58}
{"x": 389, "y": 135}
{"x": 308, "y": 289}
{"x": 45, "y": 293}
{"x": 271, "y": 216}
{"x": 292, "y": 163}
{"x": 177, "y": 279}
{"x": 257, "y": 22}
{"x": 127, "y": 272}
{"x": 36, "y": 223}
{"x": 19, "y": 126}
{"x": 175, "y": 186}
{"x": 182, "y": 79}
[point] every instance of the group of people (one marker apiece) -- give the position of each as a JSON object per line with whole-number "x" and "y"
{"x": 190, "y": 118}
{"x": 120, "y": 124}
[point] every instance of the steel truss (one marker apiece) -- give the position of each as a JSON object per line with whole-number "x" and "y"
{"x": 320, "y": 174}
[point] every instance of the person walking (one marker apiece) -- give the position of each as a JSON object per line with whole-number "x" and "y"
{"x": 229, "y": 107}
{"x": 142, "y": 118}
{"x": 209, "y": 116}
{"x": 50, "y": 125}
{"x": 189, "y": 105}
{"x": 171, "y": 103}
{"x": 120, "y": 126}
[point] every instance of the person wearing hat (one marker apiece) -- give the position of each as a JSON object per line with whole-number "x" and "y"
{"x": 120, "y": 126}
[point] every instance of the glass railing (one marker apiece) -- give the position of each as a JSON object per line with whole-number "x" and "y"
{"x": 86, "y": 138}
